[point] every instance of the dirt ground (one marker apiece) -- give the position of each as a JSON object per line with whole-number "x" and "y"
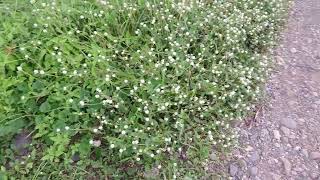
{"x": 284, "y": 143}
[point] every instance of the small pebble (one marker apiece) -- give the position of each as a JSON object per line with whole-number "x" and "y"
{"x": 286, "y": 164}
{"x": 253, "y": 171}
{"x": 315, "y": 155}
{"x": 276, "y": 134}
{"x": 293, "y": 50}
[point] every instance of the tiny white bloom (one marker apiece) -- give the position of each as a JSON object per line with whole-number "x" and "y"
{"x": 81, "y": 103}
{"x": 58, "y": 130}
{"x": 67, "y": 127}
{"x": 19, "y": 68}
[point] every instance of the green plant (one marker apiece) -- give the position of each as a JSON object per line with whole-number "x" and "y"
{"x": 134, "y": 88}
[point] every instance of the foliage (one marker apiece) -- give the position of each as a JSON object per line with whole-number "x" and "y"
{"x": 128, "y": 88}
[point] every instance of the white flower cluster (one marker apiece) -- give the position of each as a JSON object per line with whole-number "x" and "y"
{"x": 147, "y": 79}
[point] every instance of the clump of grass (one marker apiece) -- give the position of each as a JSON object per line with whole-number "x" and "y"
{"x": 128, "y": 88}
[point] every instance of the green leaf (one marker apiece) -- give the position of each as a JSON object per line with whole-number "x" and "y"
{"x": 12, "y": 127}
{"x": 37, "y": 86}
{"x": 45, "y": 107}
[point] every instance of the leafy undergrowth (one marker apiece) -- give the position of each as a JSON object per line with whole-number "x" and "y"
{"x": 118, "y": 89}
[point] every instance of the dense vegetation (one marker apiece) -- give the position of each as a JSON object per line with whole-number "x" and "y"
{"x": 117, "y": 89}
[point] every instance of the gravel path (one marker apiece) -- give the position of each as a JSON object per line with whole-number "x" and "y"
{"x": 284, "y": 143}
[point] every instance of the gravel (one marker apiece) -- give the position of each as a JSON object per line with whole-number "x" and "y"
{"x": 283, "y": 143}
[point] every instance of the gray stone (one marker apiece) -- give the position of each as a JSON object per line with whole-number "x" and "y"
{"x": 289, "y": 123}
{"x": 285, "y": 139}
{"x": 21, "y": 142}
{"x": 276, "y": 134}
{"x": 264, "y": 132}
{"x": 301, "y": 120}
{"x": 293, "y": 50}
{"x": 314, "y": 175}
{"x": 75, "y": 157}
{"x": 276, "y": 177}
{"x": 213, "y": 156}
{"x": 305, "y": 152}
{"x": 254, "y": 156}
{"x": 286, "y": 164}
{"x": 315, "y": 155}
{"x": 253, "y": 171}
{"x": 285, "y": 130}
{"x": 233, "y": 169}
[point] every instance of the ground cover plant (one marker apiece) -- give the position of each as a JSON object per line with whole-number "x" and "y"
{"x": 127, "y": 89}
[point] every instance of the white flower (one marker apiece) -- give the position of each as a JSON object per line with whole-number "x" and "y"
{"x": 81, "y": 103}
{"x": 41, "y": 72}
{"x": 135, "y": 142}
{"x": 91, "y": 141}
{"x": 58, "y": 130}
{"x": 112, "y": 146}
{"x": 19, "y": 68}
{"x": 36, "y": 72}
{"x": 67, "y": 127}
{"x": 81, "y": 17}
{"x": 95, "y": 130}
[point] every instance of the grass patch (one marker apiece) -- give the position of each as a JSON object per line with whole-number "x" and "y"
{"x": 118, "y": 89}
